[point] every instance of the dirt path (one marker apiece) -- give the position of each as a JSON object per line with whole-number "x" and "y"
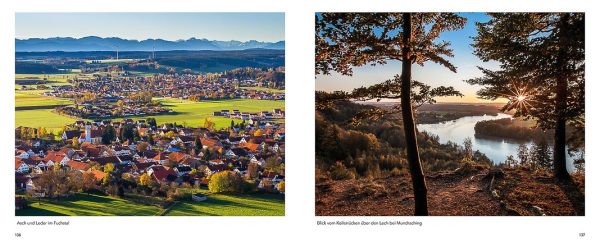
{"x": 514, "y": 192}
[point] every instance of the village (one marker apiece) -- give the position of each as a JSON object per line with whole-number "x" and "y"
{"x": 117, "y": 84}
{"x": 126, "y": 158}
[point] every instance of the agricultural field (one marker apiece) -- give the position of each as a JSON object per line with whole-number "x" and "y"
{"x": 51, "y": 79}
{"x": 33, "y": 98}
{"x": 41, "y": 118}
{"x": 193, "y": 113}
{"x": 189, "y": 112}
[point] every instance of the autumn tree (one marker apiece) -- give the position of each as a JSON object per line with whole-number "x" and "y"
{"x": 89, "y": 182}
{"x": 225, "y": 182}
{"x": 109, "y": 167}
{"x": 145, "y": 179}
{"x": 541, "y": 72}
{"x": 208, "y": 124}
{"x": 252, "y": 170}
{"x": 75, "y": 142}
{"x": 346, "y": 40}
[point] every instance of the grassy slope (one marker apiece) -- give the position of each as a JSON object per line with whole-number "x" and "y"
{"x": 95, "y": 205}
{"x": 230, "y": 205}
{"x": 92, "y": 205}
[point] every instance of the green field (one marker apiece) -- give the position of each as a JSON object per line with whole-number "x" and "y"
{"x": 189, "y": 112}
{"x": 193, "y": 113}
{"x": 230, "y": 205}
{"x": 88, "y": 205}
{"x": 266, "y": 89}
{"x": 41, "y": 118}
{"x": 25, "y": 98}
{"x": 53, "y": 79}
{"x": 95, "y": 205}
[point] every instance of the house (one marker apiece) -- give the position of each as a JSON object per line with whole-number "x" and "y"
{"x": 162, "y": 174}
{"x": 178, "y": 157}
{"x": 70, "y": 134}
{"x": 181, "y": 170}
{"x": 22, "y": 154}
{"x": 77, "y": 165}
{"x": 215, "y": 168}
{"x": 160, "y": 158}
{"x": 236, "y": 152}
{"x": 121, "y": 151}
{"x": 92, "y": 135}
{"x": 98, "y": 175}
{"x": 55, "y": 158}
{"x": 115, "y": 160}
{"x": 20, "y": 166}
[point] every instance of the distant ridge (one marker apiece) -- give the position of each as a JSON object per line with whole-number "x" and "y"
{"x": 93, "y": 43}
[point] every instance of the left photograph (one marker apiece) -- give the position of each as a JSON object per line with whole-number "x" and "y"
{"x": 149, "y": 114}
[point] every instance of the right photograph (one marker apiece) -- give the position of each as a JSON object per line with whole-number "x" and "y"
{"x": 450, "y": 114}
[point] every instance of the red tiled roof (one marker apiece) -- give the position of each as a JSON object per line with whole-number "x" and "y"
{"x": 97, "y": 174}
{"x": 17, "y": 163}
{"x": 161, "y": 173}
{"x": 177, "y": 156}
{"x": 76, "y": 165}
{"x": 160, "y": 156}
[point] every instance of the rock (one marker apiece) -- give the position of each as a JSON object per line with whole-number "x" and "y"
{"x": 495, "y": 194}
{"x": 538, "y": 211}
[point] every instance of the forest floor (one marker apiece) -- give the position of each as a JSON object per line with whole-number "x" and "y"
{"x": 466, "y": 192}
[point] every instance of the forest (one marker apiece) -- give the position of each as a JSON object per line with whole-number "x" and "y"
{"x": 375, "y": 149}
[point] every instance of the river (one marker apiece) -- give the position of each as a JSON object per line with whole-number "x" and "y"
{"x": 496, "y": 149}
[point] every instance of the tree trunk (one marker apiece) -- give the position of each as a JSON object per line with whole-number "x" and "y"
{"x": 412, "y": 150}
{"x": 559, "y": 157}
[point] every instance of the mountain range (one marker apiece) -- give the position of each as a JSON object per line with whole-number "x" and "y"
{"x": 93, "y": 43}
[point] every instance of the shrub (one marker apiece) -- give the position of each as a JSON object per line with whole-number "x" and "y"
{"x": 339, "y": 172}
{"x": 396, "y": 172}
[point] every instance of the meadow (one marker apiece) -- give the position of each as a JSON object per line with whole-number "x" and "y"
{"x": 217, "y": 204}
{"x": 33, "y": 98}
{"x": 88, "y": 205}
{"x": 193, "y": 114}
{"x": 231, "y": 205}
{"x": 41, "y": 118}
{"x": 186, "y": 112}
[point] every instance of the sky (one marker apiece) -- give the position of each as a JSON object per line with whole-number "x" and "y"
{"x": 266, "y": 27}
{"x": 431, "y": 74}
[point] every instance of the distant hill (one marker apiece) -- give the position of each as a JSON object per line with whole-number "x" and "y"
{"x": 199, "y": 61}
{"x": 93, "y": 43}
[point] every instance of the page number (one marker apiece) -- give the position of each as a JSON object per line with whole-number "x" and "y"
{"x": 18, "y": 234}
{"x": 582, "y": 234}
